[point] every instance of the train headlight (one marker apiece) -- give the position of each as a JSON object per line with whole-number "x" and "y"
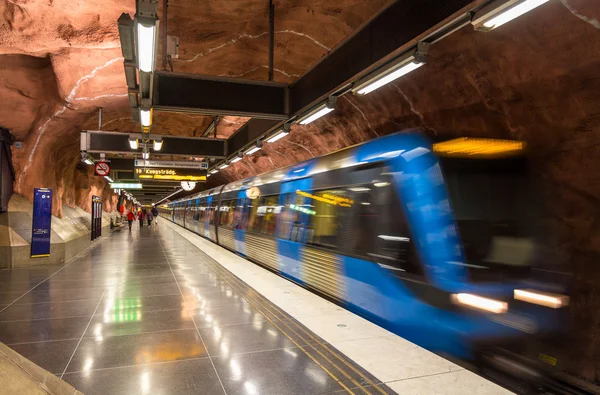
{"x": 547, "y": 299}
{"x": 481, "y": 303}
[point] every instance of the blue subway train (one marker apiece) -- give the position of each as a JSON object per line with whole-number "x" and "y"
{"x": 435, "y": 242}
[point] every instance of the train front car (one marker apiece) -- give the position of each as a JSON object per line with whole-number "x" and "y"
{"x": 467, "y": 272}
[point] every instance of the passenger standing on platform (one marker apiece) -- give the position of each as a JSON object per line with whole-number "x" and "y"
{"x": 130, "y": 218}
{"x": 150, "y": 218}
{"x": 141, "y": 218}
{"x": 155, "y": 214}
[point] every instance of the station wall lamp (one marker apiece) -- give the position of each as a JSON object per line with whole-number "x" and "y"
{"x": 257, "y": 147}
{"x": 395, "y": 69}
{"x": 319, "y": 111}
{"x": 237, "y": 158}
{"x": 499, "y": 12}
{"x": 279, "y": 134}
{"x": 146, "y": 116}
{"x": 87, "y": 158}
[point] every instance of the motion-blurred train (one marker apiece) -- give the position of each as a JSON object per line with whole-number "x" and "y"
{"x": 435, "y": 242}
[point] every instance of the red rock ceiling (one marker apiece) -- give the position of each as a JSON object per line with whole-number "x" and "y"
{"x": 535, "y": 79}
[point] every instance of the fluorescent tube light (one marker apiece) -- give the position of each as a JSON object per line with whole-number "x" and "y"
{"x": 88, "y": 161}
{"x": 109, "y": 179}
{"x": 146, "y": 117}
{"x": 252, "y": 150}
{"x": 146, "y": 40}
{"x": 239, "y": 158}
{"x": 501, "y": 12}
{"x": 407, "y": 68}
{"x": 322, "y": 112}
{"x": 215, "y": 171}
{"x": 280, "y": 134}
{"x": 224, "y": 166}
{"x": 133, "y": 143}
{"x": 395, "y": 69}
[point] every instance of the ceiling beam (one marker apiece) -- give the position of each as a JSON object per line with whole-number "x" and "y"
{"x": 220, "y": 96}
{"x": 395, "y": 29}
{"x": 118, "y": 143}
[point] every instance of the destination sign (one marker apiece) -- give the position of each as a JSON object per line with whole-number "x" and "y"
{"x": 170, "y": 174}
{"x": 172, "y": 164}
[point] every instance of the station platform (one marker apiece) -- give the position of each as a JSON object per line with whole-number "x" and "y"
{"x": 164, "y": 311}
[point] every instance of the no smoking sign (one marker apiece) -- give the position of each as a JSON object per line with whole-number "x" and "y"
{"x": 102, "y": 169}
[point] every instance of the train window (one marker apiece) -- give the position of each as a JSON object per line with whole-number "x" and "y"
{"x": 290, "y": 217}
{"x": 226, "y": 213}
{"x": 381, "y": 233}
{"x": 263, "y": 214}
{"x": 327, "y": 214}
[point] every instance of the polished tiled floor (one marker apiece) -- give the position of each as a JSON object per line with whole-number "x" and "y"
{"x": 147, "y": 313}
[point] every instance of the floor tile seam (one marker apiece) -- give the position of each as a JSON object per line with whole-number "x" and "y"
{"x": 140, "y": 333}
{"x": 135, "y": 366}
{"x": 42, "y": 341}
{"x": 229, "y": 325}
{"x": 79, "y": 316}
{"x": 219, "y": 356}
{"x": 55, "y": 302}
{"x": 82, "y": 334}
{"x": 196, "y": 326}
{"x": 45, "y": 319}
{"x": 342, "y": 357}
{"x": 425, "y": 375}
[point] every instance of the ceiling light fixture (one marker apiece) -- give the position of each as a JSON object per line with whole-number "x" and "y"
{"x": 502, "y": 11}
{"x": 146, "y": 44}
{"x": 319, "y": 111}
{"x": 87, "y": 158}
{"x": 397, "y": 68}
{"x": 237, "y": 158}
{"x": 157, "y": 144}
{"x": 145, "y": 155}
{"x": 146, "y": 117}
{"x": 224, "y": 166}
{"x": 133, "y": 143}
{"x": 215, "y": 171}
{"x": 280, "y": 134}
{"x": 254, "y": 149}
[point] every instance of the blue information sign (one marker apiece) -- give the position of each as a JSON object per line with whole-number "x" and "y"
{"x": 42, "y": 219}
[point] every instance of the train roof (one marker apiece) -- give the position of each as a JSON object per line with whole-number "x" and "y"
{"x": 370, "y": 151}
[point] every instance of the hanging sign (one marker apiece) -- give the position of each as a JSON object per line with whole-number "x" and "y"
{"x": 42, "y": 220}
{"x": 102, "y": 169}
{"x": 174, "y": 164}
{"x": 166, "y": 174}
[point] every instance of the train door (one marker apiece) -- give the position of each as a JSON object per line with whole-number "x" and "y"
{"x": 292, "y": 227}
{"x": 239, "y": 227}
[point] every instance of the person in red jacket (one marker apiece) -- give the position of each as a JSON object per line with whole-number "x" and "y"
{"x": 141, "y": 218}
{"x": 130, "y": 218}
